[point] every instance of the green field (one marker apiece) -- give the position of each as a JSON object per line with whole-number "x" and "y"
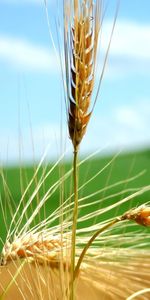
{"x": 123, "y": 167}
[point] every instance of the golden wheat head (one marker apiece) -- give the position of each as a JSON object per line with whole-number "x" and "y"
{"x": 81, "y": 39}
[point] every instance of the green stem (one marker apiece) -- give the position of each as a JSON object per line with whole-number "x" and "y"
{"x": 87, "y": 246}
{"x": 74, "y": 223}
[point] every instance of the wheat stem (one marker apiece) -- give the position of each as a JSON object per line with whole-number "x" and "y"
{"x": 74, "y": 221}
{"x": 87, "y": 246}
{"x": 140, "y": 215}
{"x": 138, "y": 293}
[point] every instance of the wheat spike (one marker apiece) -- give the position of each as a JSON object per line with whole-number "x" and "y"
{"x": 81, "y": 39}
{"x": 34, "y": 246}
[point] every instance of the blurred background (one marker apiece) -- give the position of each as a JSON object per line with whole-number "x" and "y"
{"x": 32, "y": 110}
{"x": 31, "y": 90}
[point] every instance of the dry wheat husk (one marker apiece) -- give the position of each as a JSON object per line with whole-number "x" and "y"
{"x": 97, "y": 280}
{"x": 40, "y": 271}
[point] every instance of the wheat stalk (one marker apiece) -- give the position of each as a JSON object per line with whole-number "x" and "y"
{"x": 82, "y": 26}
{"x": 81, "y": 31}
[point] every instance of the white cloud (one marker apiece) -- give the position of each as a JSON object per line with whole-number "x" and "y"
{"x": 129, "y": 39}
{"x": 129, "y": 116}
{"x": 22, "y": 1}
{"x": 129, "y": 52}
{"x": 25, "y": 55}
{"x": 130, "y": 49}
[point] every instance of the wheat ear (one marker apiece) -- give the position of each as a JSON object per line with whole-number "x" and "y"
{"x": 81, "y": 40}
{"x": 82, "y": 55}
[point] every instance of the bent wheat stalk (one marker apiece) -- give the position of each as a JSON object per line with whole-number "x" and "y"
{"x": 140, "y": 215}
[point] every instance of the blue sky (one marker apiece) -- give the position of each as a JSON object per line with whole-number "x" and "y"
{"x": 31, "y": 93}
